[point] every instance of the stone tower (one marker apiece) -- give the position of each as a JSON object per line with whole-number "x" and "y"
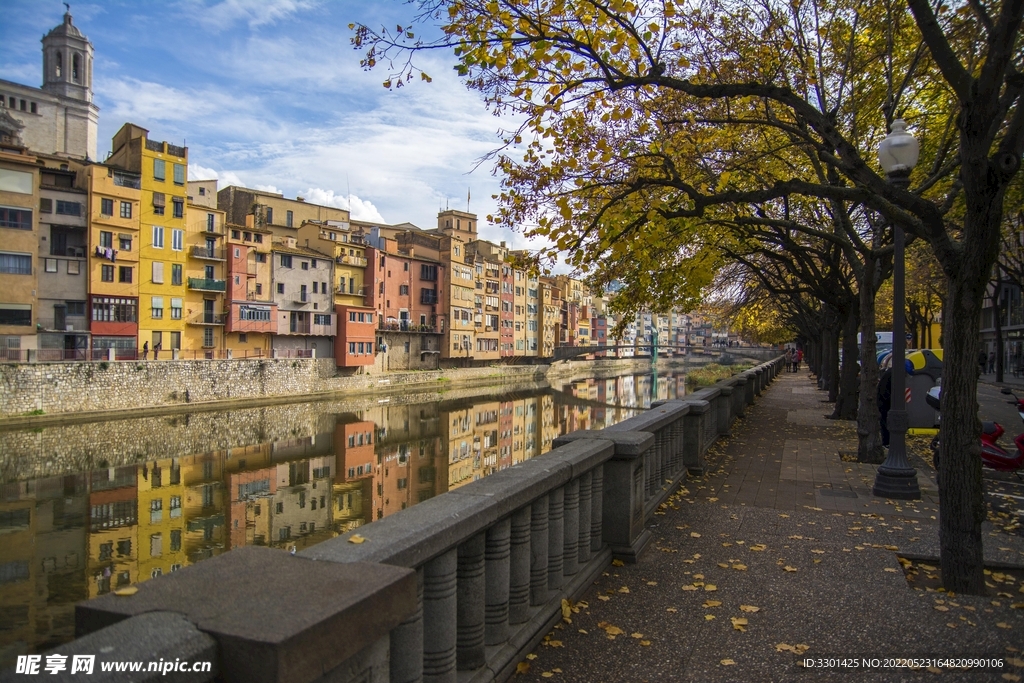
{"x": 67, "y": 62}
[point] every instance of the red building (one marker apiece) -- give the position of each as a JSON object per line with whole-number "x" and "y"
{"x": 507, "y": 315}
{"x": 354, "y": 343}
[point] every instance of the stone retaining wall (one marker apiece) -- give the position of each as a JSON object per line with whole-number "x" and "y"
{"x": 102, "y": 386}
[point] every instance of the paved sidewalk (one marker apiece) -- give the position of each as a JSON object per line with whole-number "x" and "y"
{"x": 782, "y": 524}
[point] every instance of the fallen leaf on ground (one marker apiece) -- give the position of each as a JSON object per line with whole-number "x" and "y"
{"x": 356, "y": 538}
{"x": 712, "y": 603}
{"x": 552, "y": 643}
{"x": 547, "y": 674}
{"x": 694, "y": 534}
{"x": 638, "y": 636}
{"x": 709, "y": 617}
{"x": 789, "y": 569}
{"x": 624, "y": 589}
{"x": 522, "y": 667}
{"x": 613, "y": 630}
{"x": 749, "y": 608}
{"x": 566, "y": 609}
{"x": 723, "y": 565}
{"x": 130, "y": 590}
{"x": 618, "y": 563}
{"x": 727, "y": 662}
{"x": 740, "y": 567}
{"x": 942, "y": 608}
{"x": 603, "y": 598}
{"x": 531, "y": 656}
{"x": 1003, "y": 624}
{"x": 891, "y": 569}
{"x": 759, "y": 547}
{"x": 710, "y": 587}
{"x": 689, "y": 588}
{"x": 739, "y": 623}
{"x": 671, "y": 609}
{"x": 645, "y": 643}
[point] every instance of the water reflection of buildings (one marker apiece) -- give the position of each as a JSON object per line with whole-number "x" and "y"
{"x": 67, "y": 538}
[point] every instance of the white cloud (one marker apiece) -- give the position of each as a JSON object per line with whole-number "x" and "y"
{"x": 360, "y": 209}
{"x": 197, "y": 172}
{"x": 255, "y": 13}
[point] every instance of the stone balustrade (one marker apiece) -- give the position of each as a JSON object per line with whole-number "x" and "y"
{"x": 458, "y": 588}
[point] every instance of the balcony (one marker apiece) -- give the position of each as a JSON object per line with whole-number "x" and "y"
{"x": 130, "y": 180}
{"x": 208, "y": 319}
{"x": 208, "y": 254}
{"x": 357, "y": 261}
{"x": 201, "y": 284}
{"x": 406, "y": 325}
{"x": 358, "y": 291}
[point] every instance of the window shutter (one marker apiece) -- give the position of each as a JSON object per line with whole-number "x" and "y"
{"x": 159, "y": 199}
{"x": 45, "y": 205}
{"x": 158, "y": 272}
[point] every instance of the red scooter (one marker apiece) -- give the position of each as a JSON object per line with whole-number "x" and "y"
{"x": 993, "y": 455}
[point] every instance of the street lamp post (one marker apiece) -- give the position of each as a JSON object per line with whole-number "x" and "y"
{"x": 897, "y": 155}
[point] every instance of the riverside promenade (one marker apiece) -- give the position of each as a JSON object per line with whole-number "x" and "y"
{"x": 781, "y": 523}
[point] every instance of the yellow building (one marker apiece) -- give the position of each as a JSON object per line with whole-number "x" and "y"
{"x": 19, "y": 243}
{"x": 161, "y": 524}
{"x": 205, "y": 272}
{"x": 162, "y": 285}
{"x": 114, "y": 207}
{"x": 344, "y": 242}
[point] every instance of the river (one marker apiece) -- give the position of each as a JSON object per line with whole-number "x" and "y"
{"x": 89, "y": 508}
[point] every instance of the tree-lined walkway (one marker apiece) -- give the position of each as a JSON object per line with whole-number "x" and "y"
{"x": 780, "y": 549}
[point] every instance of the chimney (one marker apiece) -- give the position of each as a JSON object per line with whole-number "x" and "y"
{"x": 502, "y": 244}
{"x": 300, "y": 199}
{"x": 289, "y": 242}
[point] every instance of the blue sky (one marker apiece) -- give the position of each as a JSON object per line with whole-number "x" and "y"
{"x": 269, "y": 94}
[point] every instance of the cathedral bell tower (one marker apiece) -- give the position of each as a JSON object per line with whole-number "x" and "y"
{"x": 67, "y": 62}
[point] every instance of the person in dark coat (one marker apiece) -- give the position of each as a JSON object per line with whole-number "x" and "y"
{"x": 884, "y": 399}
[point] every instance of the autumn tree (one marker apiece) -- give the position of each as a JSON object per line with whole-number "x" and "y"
{"x": 685, "y": 109}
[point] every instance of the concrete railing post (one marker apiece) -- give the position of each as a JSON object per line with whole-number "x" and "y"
{"x": 596, "y": 509}
{"x": 693, "y": 435}
{"x": 724, "y": 407}
{"x": 571, "y": 529}
{"x": 471, "y": 603}
{"x": 496, "y": 573}
{"x": 519, "y": 567}
{"x": 739, "y": 395}
{"x": 406, "y": 664}
{"x": 583, "y": 535}
{"x": 556, "y": 538}
{"x": 539, "y": 551}
{"x": 622, "y": 506}
{"x": 751, "y": 386}
{"x": 440, "y": 580}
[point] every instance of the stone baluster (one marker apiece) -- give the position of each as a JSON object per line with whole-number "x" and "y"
{"x": 596, "y": 508}
{"x": 693, "y": 437}
{"x": 440, "y": 581}
{"x": 571, "y": 528}
{"x": 406, "y": 665}
{"x": 496, "y": 576}
{"x": 519, "y": 567}
{"x": 539, "y": 533}
{"x": 471, "y": 596}
{"x": 586, "y": 495}
{"x": 556, "y": 537}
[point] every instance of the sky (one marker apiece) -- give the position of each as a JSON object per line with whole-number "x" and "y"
{"x": 269, "y": 94}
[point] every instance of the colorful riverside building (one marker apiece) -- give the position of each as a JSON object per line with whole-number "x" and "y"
{"x": 114, "y": 208}
{"x": 162, "y": 169}
{"x": 19, "y": 242}
{"x": 206, "y": 267}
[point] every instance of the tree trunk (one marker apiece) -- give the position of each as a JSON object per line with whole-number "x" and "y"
{"x": 846, "y": 402}
{"x": 833, "y": 362}
{"x": 823, "y": 363}
{"x": 961, "y": 497}
{"x": 869, "y": 432}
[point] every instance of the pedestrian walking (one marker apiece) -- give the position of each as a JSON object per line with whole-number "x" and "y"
{"x": 145, "y": 351}
{"x": 982, "y": 358}
{"x": 797, "y": 359}
{"x": 991, "y": 361}
{"x": 156, "y": 351}
{"x": 789, "y": 360}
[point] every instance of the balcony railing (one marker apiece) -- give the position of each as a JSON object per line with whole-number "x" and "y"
{"x": 129, "y": 180}
{"x": 207, "y": 253}
{"x": 405, "y": 326}
{"x": 358, "y": 261}
{"x": 358, "y": 291}
{"x": 208, "y": 319}
{"x": 202, "y": 284}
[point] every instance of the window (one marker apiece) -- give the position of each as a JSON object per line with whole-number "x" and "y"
{"x": 403, "y": 290}
{"x": 50, "y": 265}
{"x": 243, "y": 338}
{"x": 175, "y": 315}
{"x": 210, "y": 222}
{"x": 179, "y": 207}
{"x": 352, "y": 350}
{"x": 19, "y": 219}
{"x": 159, "y": 202}
{"x": 74, "y": 267}
{"x": 207, "y": 337}
{"x": 157, "y": 309}
{"x": 69, "y": 208}
{"x": 159, "y": 169}
{"x": 286, "y": 261}
{"x": 288, "y": 217}
{"x": 114, "y": 309}
{"x": 175, "y": 533}
{"x": 124, "y": 274}
{"x": 321, "y": 319}
{"x": 270, "y": 215}
{"x": 316, "y": 288}
{"x": 259, "y": 288}
{"x": 280, "y": 288}
{"x": 428, "y": 272}
{"x": 236, "y": 235}
{"x": 107, "y": 273}
{"x": 302, "y": 292}
{"x": 179, "y": 174}
{"x": 15, "y": 314}
{"x": 45, "y": 205}
{"x": 175, "y": 273}
{"x": 177, "y": 240}
{"x": 258, "y": 238}
{"x": 305, "y": 265}
{"x": 158, "y": 237}
{"x": 261, "y": 258}
{"x": 125, "y": 243}
{"x": 106, "y": 239}
{"x": 15, "y": 181}
{"x": 258, "y": 314}
{"x": 176, "y": 344}
{"x": 126, "y": 209}
{"x": 16, "y": 264}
